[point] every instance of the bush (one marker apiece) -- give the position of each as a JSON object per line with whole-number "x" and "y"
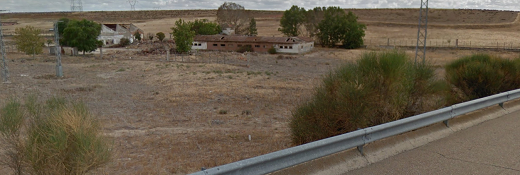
{"x": 124, "y": 42}
{"x": 271, "y": 50}
{"x": 482, "y": 75}
{"x": 58, "y": 138}
{"x": 245, "y": 48}
{"x": 377, "y": 89}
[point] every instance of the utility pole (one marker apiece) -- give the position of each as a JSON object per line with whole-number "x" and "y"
{"x": 5, "y": 71}
{"x": 76, "y": 6}
{"x": 59, "y": 69}
{"x": 132, "y": 4}
{"x": 422, "y": 31}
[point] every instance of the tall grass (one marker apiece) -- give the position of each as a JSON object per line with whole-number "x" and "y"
{"x": 378, "y": 88}
{"x": 482, "y": 75}
{"x": 11, "y": 121}
{"x": 60, "y": 137}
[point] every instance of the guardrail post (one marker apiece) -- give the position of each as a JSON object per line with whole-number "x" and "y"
{"x": 446, "y": 122}
{"x": 360, "y": 149}
{"x": 501, "y": 105}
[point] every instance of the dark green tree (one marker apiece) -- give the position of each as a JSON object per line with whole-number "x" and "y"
{"x": 183, "y": 36}
{"x": 160, "y": 36}
{"x": 62, "y": 24}
{"x": 82, "y": 34}
{"x": 312, "y": 20}
{"x": 291, "y": 21}
{"x": 137, "y": 35}
{"x": 356, "y": 31}
{"x": 252, "y": 27}
{"x": 339, "y": 27}
{"x": 205, "y": 27}
{"x": 150, "y": 36}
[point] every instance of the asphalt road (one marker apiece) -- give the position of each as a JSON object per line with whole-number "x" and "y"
{"x": 492, "y": 147}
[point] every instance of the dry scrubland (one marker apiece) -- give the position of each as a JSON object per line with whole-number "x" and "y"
{"x": 177, "y": 117}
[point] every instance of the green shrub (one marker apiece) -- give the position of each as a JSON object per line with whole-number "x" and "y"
{"x": 59, "y": 137}
{"x": 124, "y": 42}
{"x": 482, "y": 75}
{"x": 379, "y": 88}
{"x": 271, "y": 50}
{"x": 245, "y": 48}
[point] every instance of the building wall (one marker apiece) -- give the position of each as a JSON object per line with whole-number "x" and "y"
{"x": 294, "y": 48}
{"x": 109, "y": 40}
{"x": 199, "y": 46}
{"x": 229, "y": 46}
{"x": 256, "y": 46}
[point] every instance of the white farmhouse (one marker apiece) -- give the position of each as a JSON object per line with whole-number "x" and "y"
{"x": 113, "y": 33}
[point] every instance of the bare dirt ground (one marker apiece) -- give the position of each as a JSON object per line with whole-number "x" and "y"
{"x": 175, "y": 117}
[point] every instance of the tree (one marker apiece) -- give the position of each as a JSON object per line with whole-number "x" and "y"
{"x": 312, "y": 20}
{"x": 137, "y": 35}
{"x": 356, "y": 31}
{"x": 339, "y": 27}
{"x": 160, "y": 36}
{"x": 28, "y": 40}
{"x": 62, "y": 24}
{"x": 291, "y": 21}
{"x": 183, "y": 36}
{"x": 49, "y": 42}
{"x": 204, "y": 27}
{"x": 252, "y": 28}
{"x": 150, "y": 36}
{"x": 232, "y": 15}
{"x": 124, "y": 42}
{"x": 82, "y": 34}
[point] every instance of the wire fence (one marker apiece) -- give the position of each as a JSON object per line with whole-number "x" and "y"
{"x": 445, "y": 43}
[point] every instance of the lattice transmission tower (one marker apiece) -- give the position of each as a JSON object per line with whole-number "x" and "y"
{"x": 132, "y": 4}
{"x": 76, "y": 6}
{"x": 422, "y": 31}
{"x": 5, "y": 71}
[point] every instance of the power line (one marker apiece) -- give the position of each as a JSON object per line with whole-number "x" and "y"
{"x": 422, "y": 31}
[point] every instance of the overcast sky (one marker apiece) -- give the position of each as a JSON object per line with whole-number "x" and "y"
{"x": 118, "y": 5}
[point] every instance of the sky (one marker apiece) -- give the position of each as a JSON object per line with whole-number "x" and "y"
{"x": 123, "y": 5}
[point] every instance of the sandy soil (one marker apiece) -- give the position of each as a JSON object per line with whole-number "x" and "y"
{"x": 177, "y": 116}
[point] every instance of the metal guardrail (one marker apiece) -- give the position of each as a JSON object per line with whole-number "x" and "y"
{"x": 296, "y": 155}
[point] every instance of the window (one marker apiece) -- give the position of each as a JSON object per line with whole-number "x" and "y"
{"x": 199, "y": 44}
{"x": 285, "y": 47}
{"x": 281, "y": 47}
{"x": 215, "y": 44}
{"x": 223, "y": 45}
{"x": 257, "y": 46}
{"x": 264, "y": 46}
{"x": 230, "y": 45}
{"x": 290, "y": 47}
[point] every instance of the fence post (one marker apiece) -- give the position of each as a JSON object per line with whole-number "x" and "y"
{"x": 388, "y": 42}
{"x": 457, "y": 43}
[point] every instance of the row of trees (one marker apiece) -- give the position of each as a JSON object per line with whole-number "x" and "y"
{"x": 329, "y": 25}
{"x": 80, "y": 34}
